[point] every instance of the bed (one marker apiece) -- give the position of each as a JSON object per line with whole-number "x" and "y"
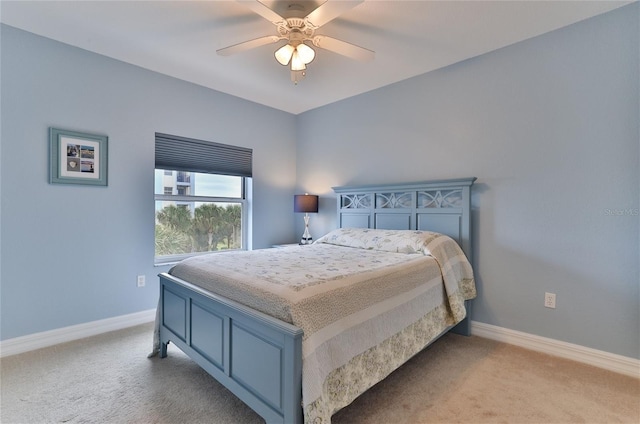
{"x": 313, "y": 327}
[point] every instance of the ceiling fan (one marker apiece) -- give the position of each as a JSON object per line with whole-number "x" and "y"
{"x": 298, "y": 27}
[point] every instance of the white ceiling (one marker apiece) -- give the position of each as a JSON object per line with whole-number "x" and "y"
{"x": 180, "y": 39}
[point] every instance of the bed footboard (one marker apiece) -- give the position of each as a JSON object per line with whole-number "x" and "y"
{"x": 257, "y": 357}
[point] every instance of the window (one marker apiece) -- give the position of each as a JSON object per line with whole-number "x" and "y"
{"x": 200, "y": 197}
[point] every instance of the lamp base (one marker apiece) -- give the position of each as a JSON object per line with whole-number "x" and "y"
{"x": 306, "y": 237}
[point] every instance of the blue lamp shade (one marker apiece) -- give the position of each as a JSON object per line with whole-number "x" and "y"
{"x": 307, "y": 203}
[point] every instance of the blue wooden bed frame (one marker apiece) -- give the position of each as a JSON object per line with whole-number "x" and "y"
{"x": 258, "y": 357}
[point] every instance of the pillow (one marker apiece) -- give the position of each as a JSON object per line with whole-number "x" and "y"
{"x": 398, "y": 241}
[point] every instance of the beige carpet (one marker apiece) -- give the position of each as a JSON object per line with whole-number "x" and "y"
{"x": 108, "y": 379}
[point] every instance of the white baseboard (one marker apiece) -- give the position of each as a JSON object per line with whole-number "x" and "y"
{"x": 609, "y": 361}
{"x": 49, "y": 338}
{"x": 597, "y": 358}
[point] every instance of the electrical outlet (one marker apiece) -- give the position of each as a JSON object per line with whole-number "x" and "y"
{"x": 141, "y": 280}
{"x": 550, "y": 300}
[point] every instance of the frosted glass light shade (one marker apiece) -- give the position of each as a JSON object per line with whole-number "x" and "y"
{"x": 296, "y": 63}
{"x": 284, "y": 54}
{"x": 305, "y": 53}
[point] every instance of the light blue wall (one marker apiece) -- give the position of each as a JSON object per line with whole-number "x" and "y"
{"x": 550, "y": 128}
{"x": 71, "y": 254}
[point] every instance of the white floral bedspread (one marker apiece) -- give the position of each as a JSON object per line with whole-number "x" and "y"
{"x": 366, "y": 300}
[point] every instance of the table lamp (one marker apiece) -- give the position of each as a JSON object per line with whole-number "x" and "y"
{"x": 307, "y": 203}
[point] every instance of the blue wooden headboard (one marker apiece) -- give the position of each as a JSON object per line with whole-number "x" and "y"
{"x": 443, "y": 206}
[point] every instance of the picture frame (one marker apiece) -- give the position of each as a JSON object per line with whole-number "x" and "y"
{"x": 77, "y": 157}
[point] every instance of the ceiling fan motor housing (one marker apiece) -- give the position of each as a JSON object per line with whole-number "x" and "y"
{"x": 296, "y": 37}
{"x": 295, "y": 29}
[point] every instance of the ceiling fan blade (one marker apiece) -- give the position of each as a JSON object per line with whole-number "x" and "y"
{"x": 328, "y": 11}
{"x": 262, "y": 10}
{"x": 246, "y": 45}
{"x": 342, "y": 47}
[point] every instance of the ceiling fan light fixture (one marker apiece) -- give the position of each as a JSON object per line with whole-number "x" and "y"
{"x": 283, "y": 54}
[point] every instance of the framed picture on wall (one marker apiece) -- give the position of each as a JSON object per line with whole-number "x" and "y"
{"x": 77, "y": 158}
